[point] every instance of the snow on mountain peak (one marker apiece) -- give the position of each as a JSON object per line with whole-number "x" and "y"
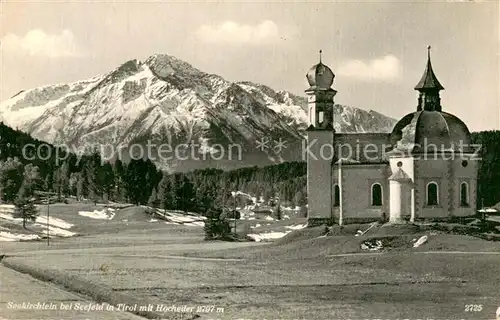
{"x": 168, "y": 100}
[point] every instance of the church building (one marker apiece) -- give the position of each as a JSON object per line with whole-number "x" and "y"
{"x": 424, "y": 169}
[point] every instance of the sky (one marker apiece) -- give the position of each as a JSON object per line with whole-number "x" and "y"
{"x": 377, "y": 50}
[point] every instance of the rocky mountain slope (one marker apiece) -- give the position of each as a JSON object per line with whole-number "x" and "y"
{"x": 201, "y": 119}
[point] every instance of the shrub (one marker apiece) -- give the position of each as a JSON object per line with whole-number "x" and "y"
{"x": 216, "y": 227}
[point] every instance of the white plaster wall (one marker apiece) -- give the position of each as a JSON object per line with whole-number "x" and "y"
{"x": 319, "y": 175}
{"x": 408, "y": 167}
{"x": 465, "y": 174}
{"x": 356, "y": 197}
{"x": 395, "y": 205}
{"x": 432, "y": 170}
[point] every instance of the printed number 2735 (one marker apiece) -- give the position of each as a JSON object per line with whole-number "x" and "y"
{"x": 473, "y": 307}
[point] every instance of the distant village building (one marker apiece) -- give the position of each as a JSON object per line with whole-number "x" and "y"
{"x": 424, "y": 168}
{"x": 263, "y": 210}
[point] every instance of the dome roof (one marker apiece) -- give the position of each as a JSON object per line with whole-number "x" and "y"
{"x": 430, "y": 131}
{"x": 320, "y": 77}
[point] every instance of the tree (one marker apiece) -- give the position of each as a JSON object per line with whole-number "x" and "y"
{"x": 47, "y": 186}
{"x": 268, "y": 194}
{"x": 56, "y": 185}
{"x": 25, "y": 209}
{"x": 73, "y": 182}
{"x": 140, "y": 178}
{"x": 108, "y": 181}
{"x": 186, "y": 194}
{"x": 258, "y": 194}
{"x": 31, "y": 181}
{"x": 489, "y": 167}
{"x": 216, "y": 227}
{"x": 81, "y": 186}
{"x": 162, "y": 191}
{"x": 172, "y": 196}
{"x": 120, "y": 188}
{"x": 91, "y": 169}
{"x": 303, "y": 211}
{"x": 153, "y": 200}
{"x": 279, "y": 212}
{"x": 61, "y": 180}
{"x": 11, "y": 178}
{"x": 300, "y": 198}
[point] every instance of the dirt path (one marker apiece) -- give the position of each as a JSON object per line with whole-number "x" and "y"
{"x": 415, "y": 252}
{"x": 19, "y": 288}
{"x": 172, "y": 257}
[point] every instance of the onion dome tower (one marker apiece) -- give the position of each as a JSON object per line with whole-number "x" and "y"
{"x": 320, "y": 96}
{"x": 320, "y": 134}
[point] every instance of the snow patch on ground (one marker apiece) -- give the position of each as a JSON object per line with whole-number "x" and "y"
{"x": 267, "y": 236}
{"x": 9, "y": 217}
{"x": 273, "y": 235}
{"x": 59, "y": 232}
{"x": 8, "y": 236}
{"x": 56, "y": 227}
{"x": 105, "y": 214}
{"x": 6, "y": 207}
{"x": 243, "y": 194}
{"x": 53, "y": 222}
{"x": 296, "y": 227}
{"x": 493, "y": 218}
{"x": 180, "y": 218}
{"x": 488, "y": 210}
{"x": 195, "y": 224}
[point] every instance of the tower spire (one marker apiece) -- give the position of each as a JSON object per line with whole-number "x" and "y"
{"x": 320, "y": 51}
{"x": 429, "y": 88}
{"x": 429, "y": 79}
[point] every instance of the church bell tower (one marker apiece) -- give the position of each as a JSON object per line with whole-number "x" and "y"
{"x": 428, "y": 88}
{"x": 319, "y": 150}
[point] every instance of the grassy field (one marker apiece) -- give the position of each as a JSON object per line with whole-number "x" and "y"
{"x": 301, "y": 276}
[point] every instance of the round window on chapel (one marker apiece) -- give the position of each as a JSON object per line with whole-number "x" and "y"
{"x": 464, "y": 163}
{"x": 399, "y": 164}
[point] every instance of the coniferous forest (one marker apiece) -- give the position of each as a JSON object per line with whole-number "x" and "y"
{"x": 140, "y": 182}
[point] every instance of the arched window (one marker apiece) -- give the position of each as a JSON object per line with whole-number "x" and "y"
{"x": 376, "y": 194}
{"x": 432, "y": 194}
{"x": 336, "y": 196}
{"x": 464, "y": 194}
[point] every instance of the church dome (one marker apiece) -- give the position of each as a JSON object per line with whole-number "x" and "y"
{"x": 320, "y": 76}
{"x": 430, "y": 131}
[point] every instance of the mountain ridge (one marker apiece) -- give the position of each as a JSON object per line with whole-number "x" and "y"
{"x": 167, "y": 100}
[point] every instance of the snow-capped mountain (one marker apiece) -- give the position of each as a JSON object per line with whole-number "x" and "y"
{"x": 167, "y": 101}
{"x": 294, "y": 109}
